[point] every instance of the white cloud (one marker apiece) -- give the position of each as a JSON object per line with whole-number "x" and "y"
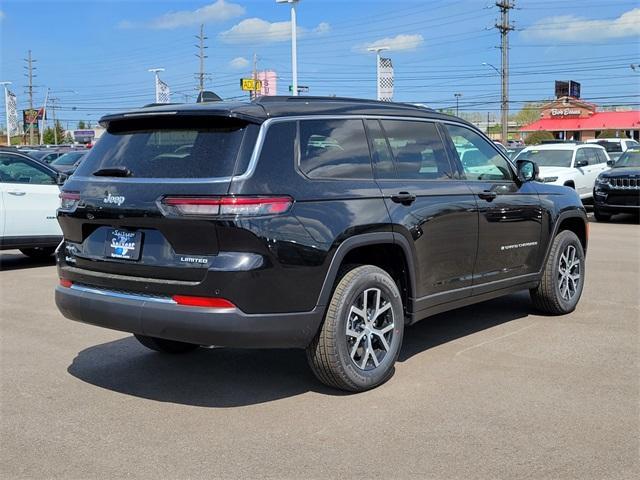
{"x": 579, "y": 29}
{"x": 257, "y": 30}
{"x": 323, "y": 27}
{"x": 1, "y": 15}
{"x": 398, "y": 43}
{"x": 218, "y": 11}
{"x": 239, "y": 63}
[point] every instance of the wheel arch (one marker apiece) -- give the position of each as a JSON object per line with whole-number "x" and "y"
{"x": 386, "y": 250}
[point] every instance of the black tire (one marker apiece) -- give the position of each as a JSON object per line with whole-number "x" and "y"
{"x": 165, "y": 346}
{"x": 600, "y": 216}
{"x": 330, "y": 353}
{"x": 549, "y": 297}
{"x": 38, "y": 252}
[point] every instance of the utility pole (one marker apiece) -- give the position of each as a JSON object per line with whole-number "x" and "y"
{"x": 504, "y": 27}
{"x": 52, "y": 100}
{"x": 201, "y": 48}
{"x": 457, "y": 95}
{"x": 253, "y": 94}
{"x": 30, "y": 68}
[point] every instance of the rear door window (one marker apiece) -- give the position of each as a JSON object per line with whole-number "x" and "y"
{"x": 418, "y": 150}
{"x": 335, "y": 149}
{"x": 185, "y": 147}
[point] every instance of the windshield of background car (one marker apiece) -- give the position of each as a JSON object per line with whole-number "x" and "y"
{"x": 548, "y": 158}
{"x": 176, "y": 147}
{"x": 630, "y": 158}
{"x": 610, "y": 147}
{"x": 68, "y": 158}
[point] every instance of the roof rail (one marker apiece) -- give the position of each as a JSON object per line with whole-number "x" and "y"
{"x": 309, "y": 98}
{"x": 160, "y": 104}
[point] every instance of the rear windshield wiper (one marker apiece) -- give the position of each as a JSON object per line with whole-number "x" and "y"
{"x": 113, "y": 172}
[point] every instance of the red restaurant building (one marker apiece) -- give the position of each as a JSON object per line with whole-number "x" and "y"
{"x": 569, "y": 118}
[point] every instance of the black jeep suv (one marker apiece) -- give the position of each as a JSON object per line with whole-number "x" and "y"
{"x": 318, "y": 223}
{"x": 618, "y": 190}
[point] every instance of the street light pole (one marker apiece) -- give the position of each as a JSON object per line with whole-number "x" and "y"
{"x": 294, "y": 46}
{"x": 503, "y": 104}
{"x": 457, "y": 95}
{"x": 378, "y": 50}
{"x": 6, "y": 108}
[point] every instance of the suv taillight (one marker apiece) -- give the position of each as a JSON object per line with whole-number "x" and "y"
{"x": 69, "y": 201}
{"x": 227, "y": 206}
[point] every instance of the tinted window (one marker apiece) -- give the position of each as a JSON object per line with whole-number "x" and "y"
{"x": 382, "y": 159}
{"x": 17, "y": 170}
{"x": 602, "y": 156}
{"x": 334, "y": 149}
{"x": 581, "y": 156}
{"x": 479, "y": 158}
{"x": 417, "y": 149}
{"x": 279, "y": 143}
{"x": 185, "y": 147}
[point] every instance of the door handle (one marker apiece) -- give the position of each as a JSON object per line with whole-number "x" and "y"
{"x": 487, "y": 195}
{"x": 17, "y": 193}
{"x": 405, "y": 198}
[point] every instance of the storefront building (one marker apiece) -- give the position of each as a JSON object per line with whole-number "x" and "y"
{"x": 569, "y": 118}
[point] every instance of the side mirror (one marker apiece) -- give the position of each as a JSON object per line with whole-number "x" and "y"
{"x": 527, "y": 170}
{"x": 611, "y": 163}
{"x": 581, "y": 163}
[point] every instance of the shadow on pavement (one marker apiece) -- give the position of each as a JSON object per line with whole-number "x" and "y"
{"x": 15, "y": 260}
{"x": 620, "y": 218}
{"x": 225, "y": 377}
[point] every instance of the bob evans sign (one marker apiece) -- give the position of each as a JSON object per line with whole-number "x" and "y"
{"x": 564, "y": 112}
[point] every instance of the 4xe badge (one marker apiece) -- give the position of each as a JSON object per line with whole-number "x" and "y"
{"x": 115, "y": 199}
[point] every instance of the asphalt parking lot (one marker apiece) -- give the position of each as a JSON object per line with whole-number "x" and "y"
{"x": 489, "y": 391}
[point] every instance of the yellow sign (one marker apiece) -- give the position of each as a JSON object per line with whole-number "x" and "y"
{"x": 250, "y": 84}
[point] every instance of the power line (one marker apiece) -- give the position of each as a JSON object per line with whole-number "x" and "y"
{"x": 504, "y": 27}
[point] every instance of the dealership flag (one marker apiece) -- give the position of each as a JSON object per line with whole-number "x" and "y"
{"x": 13, "y": 126}
{"x": 385, "y": 78}
{"x": 163, "y": 93}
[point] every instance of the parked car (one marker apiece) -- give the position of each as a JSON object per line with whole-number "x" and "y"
{"x": 512, "y": 152}
{"x": 615, "y": 146}
{"x": 45, "y": 156}
{"x": 574, "y": 165}
{"x": 618, "y": 190}
{"x": 29, "y": 197}
{"x": 68, "y": 162}
{"x": 319, "y": 223}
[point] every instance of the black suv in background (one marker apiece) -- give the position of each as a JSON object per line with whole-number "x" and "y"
{"x": 618, "y": 190}
{"x": 319, "y": 223}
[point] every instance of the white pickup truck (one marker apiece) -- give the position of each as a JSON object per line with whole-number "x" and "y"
{"x": 29, "y": 198}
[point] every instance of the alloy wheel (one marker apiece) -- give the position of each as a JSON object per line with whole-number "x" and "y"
{"x": 569, "y": 273}
{"x": 369, "y": 329}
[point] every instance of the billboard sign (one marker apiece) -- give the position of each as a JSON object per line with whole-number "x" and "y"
{"x": 567, "y": 89}
{"x": 250, "y": 84}
{"x": 269, "y": 82}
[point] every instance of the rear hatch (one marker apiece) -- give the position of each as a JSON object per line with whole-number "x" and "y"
{"x": 122, "y": 211}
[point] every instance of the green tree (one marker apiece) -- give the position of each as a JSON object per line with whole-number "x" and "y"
{"x": 52, "y": 134}
{"x": 538, "y": 137}
{"x": 529, "y": 113}
{"x": 81, "y": 125}
{"x": 612, "y": 134}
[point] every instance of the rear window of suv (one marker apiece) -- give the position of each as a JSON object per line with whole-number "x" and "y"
{"x": 177, "y": 147}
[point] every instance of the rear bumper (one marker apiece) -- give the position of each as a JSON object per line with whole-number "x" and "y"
{"x": 161, "y": 317}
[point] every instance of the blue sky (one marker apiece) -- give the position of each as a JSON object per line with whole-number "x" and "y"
{"x": 94, "y": 54}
